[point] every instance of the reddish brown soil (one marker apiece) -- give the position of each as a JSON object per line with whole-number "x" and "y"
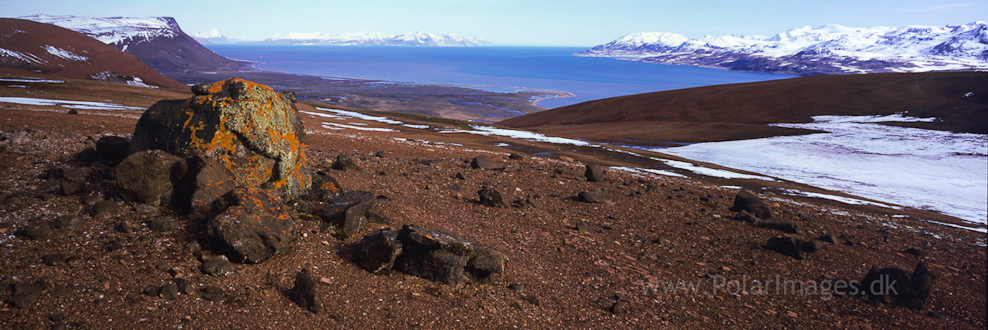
{"x": 31, "y": 38}
{"x": 739, "y": 111}
{"x": 659, "y": 229}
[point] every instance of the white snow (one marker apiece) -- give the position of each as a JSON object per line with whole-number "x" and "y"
{"x": 358, "y": 115}
{"x": 85, "y": 105}
{"x": 712, "y": 171}
{"x": 516, "y": 134}
{"x": 66, "y": 54}
{"x": 32, "y": 80}
{"x": 359, "y": 128}
{"x": 377, "y": 39}
{"x": 208, "y": 34}
{"x": 111, "y": 30}
{"x": 647, "y": 170}
{"x": 934, "y": 170}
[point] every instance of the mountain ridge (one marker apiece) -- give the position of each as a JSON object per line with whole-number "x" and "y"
{"x": 828, "y": 49}
{"x": 416, "y": 39}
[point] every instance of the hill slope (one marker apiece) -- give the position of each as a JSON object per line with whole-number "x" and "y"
{"x": 739, "y": 111}
{"x": 157, "y": 41}
{"x": 37, "y": 49}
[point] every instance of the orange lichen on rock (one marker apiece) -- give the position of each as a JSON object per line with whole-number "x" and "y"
{"x": 249, "y": 128}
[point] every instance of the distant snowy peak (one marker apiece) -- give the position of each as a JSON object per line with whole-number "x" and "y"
{"x": 377, "y": 39}
{"x": 210, "y": 34}
{"x": 822, "y": 50}
{"x": 114, "y": 31}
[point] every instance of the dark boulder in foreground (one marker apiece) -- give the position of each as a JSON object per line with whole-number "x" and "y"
{"x": 430, "y": 254}
{"x": 897, "y": 286}
{"x": 746, "y": 201}
{"x": 254, "y": 228}
{"x": 793, "y": 247}
{"x": 149, "y": 177}
{"x": 248, "y": 128}
{"x": 486, "y": 163}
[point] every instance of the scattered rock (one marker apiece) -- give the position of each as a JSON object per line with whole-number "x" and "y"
{"x": 916, "y": 252}
{"x": 323, "y": 187}
{"x": 746, "y": 201}
{"x": 148, "y": 177}
{"x": 169, "y": 291}
{"x": 793, "y": 247}
{"x": 68, "y": 222}
{"x": 460, "y": 175}
{"x": 254, "y": 228}
{"x": 583, "y": 228}
{"x": 435, "y": 255}
{"x": 597, "y": 196}
{"x": 305, "y": 292}
{"x": 345, "y": 163}
{"x": 380, "y": 154}
{"x": 594, "y": 173}
{"x": 72, "y": 180}
{"x": 217, "y": 265}
{"x": 72, "y": 112}
{"x": 112, "y": 149}
{"x": 251, "y": 130}
{"x": 746, "y": 216}
{"x": 529, "y": 201}
{"x": 827, "y": 238}
{"x": 164, "y": 223}
{"x": 377, "y": 251}
{"x": 516, "y": 156}
{"x": 491, "y": 197}
{"x": 486, "y": 163}
{"x": 55, "y": 259}
{"x": 778, "y": 224}
{"x": 38, "y": 229}
{"x": 351, "y": 211}
{"x": 26, "y": 294}
{"x": 106, "y": 209}
{"x": 896, "y": 286}
{"x": 617, "y": 307}
{"x": 212, "y": 293}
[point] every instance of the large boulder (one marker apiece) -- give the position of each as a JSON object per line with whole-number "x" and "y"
{"x": 248, "y": 128}
{"x": 253, "y": 228}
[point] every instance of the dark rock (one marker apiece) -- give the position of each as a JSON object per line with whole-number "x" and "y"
{"x": 323, "y": 187}
{"x": 746, "y": 216}
{"x": 217, "y": 265}
{"x": 106, "y": 209}
{"x": 377, "y": 251}
{"x": 778, "y": 224}
{"x": 827, "y": 238}
{"x": 351, "y": 211}
{"x": 617, "y": 307}
{"x": 486, "y": 163}
{"x": 380, "y": 154}
{"x": 793, "y": 247}
{"x": 72, "y": 180}
{"x": 446, "y": 258}
{"x": 916, "y": 252}
{"x": 460, "y": 175}
{"x": 516, "y": 287}
{"x": 254, "y": 228}
{"x": 113, "y": 149}
{"x": 163, "y": 224}
{"x": 149, "y": 177}
{"x": 531, "y": 299}
{"x": 516, "y": 156}
{"x": 594, "y": 173}
{"x": 597, "y": 196}
{"x": 210, "y": 183}
{"x": 125, "y": 227}
{"x": 68, "y": 222}
{"x": 248, "y": 128}
{"x": 26, "y": 294}
{"x": 897, "y": 286}
{"x": 212, "y": 293}
{"x": 529, "y": 201}
{"x": 345, "y": 163}
{"x": 55, "y": 259}
{"x": 182, "y": 285}
{"x": 169, "y": 291}
{"x": 305, "y": 292}
{"x": 746, "y": 201}
{"x": 38, "y": 229}
{"x": 72, "y": 112}
{"x": 491, "y": 197}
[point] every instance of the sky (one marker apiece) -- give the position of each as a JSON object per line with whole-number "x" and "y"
{"x": 577, "y": 23}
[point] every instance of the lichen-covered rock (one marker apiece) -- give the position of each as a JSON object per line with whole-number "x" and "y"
{"x": 254, "y": 228}
{"x": 446, "y": 258}
{"x": 247, "y": 127}
{"x": 148, "y": 177}
{"x": 210, "y": 182}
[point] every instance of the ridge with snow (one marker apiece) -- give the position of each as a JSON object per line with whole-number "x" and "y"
{"x": 417, "y": 39}
{"x": 829, "y": 49}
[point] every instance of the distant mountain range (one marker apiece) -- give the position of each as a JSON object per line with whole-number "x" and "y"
{"x": 416, "y": 39}
{"x": 34, "y": 49}
{"x": 829, "y": 49}
{"x": 157, "y": 41}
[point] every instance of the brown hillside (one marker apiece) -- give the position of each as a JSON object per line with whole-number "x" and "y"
{"x": 739, "y": 111}
{"x": 44, "y": 50}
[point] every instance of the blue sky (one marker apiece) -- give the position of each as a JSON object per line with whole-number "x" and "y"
{"x": 517, "y": 22}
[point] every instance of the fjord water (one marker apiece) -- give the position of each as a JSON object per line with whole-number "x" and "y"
{"x": 494, "y": 68}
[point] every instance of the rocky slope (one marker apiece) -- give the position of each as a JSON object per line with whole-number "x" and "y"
{"x": 585, "y": 248}
{"x": 829, "y": 49}
{"x": 43, "y": 50}
{"x": 157, "y": 41}
{"x": 740, "y": 111}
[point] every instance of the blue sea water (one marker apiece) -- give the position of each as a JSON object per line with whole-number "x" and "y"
{"x": 493, "y": 68}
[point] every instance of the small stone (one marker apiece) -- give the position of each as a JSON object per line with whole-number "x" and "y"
{"x": 793, "y": 247}
{"x": 26, "y": 294}
{"x": 169, "y": 291}
{"x": 461, "y": 176}
{"x": 916, "y": 252}
{"x": 38, "y": 230}
{"x": 491, "y": 197}
{"x": 617, "y": 307}
{"x": 486, "y": 163}
{"x": 213, "y": 294}
{"x": 164, "y": 223}
{"x": 594, "y": 173}
{"x": 778, "y": 224}
{"x": 516, "y": 156}
{"x": 217, "y": 265}
{"x": 305, "y": 292}
{"x": 602, "y": 197}
{"x": 583, "y": 228}
{"x": 344, "y": 162}
{"x": 55, "y": 259}
{"x": 516, "y": 287}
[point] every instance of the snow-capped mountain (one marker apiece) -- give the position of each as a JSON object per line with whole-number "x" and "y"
{"x": 829, "y": 49}
{"x": 157, "y": 41}
{"x": 377, "y": 39}
{"x": 211, "y": 36}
